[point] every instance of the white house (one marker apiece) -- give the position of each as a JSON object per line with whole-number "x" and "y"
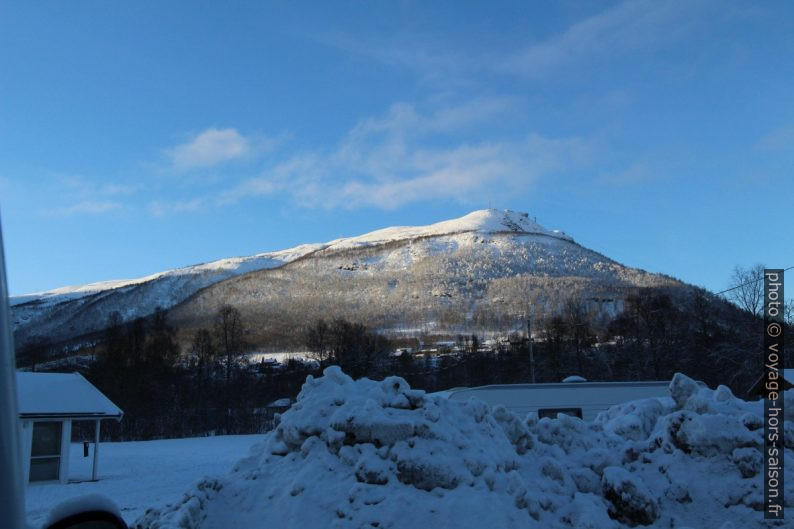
{"x": 574, "y": 397}
{"x": 48, "y": 403}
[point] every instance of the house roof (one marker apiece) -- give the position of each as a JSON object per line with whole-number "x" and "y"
{"x": 62, "y": 395}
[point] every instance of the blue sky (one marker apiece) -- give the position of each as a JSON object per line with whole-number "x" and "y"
{"x": 138, "y": 137}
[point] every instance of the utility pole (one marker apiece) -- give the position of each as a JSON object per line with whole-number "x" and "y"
{"x": 531, "y": 352}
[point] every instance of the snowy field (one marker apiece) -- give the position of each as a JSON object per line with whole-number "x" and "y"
{"x": 139, "y": 475}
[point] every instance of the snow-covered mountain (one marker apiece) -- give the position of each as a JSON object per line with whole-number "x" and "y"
{"x": 484, "y": 221}
{"x": 471, "y": 271}
{"x": 211, "y": 272}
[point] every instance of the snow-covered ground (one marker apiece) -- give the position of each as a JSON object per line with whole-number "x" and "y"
{"x": 140, "y": 475}
{"x": 355, "y": 454}
{"x": 281, "y": 357}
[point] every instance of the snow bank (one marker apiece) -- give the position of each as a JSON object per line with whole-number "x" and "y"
{"x": 353, "y": 454}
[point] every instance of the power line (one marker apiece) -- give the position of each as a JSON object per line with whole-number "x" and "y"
{"x": 732, "y": 288}
{"x": 747, "y": 283}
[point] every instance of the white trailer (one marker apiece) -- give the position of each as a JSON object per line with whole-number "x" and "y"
{"x": 581, "y": 399}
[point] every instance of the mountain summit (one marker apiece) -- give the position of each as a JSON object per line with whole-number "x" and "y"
{"x": 484, "y": 220}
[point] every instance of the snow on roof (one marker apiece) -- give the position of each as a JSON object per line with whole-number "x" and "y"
{"x": 62, "y": 395}
{"x": 280, "y": 403}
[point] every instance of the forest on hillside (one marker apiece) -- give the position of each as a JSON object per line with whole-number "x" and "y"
{"x": 210, "y": 386}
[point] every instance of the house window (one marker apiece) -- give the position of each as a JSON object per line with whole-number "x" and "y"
{"x": 45, "y": 454}
{"x": 552, "y": 412}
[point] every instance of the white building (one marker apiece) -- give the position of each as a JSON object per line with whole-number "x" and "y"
{"x": 575, "y": 397}
{"x": 48, "y": 403}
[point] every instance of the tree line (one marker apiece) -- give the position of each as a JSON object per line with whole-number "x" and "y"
{"x": 659, "y": 332}
{"x": 208, "y": 388}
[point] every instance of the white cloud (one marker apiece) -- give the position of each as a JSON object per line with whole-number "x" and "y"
{"x": 621, "y": 28}
{"x": 160, "y": 208}
{"x": 406, "y": 157}
{"x": 87, "y": 207}
{"x": 636, "y": 173}
{"x": 422, "y": 55}
{"x": 404, "y": 118}
{"x": 209, "y": 148}
{"x": 249, "y": 188}
{"x": 626, "y": 27}
{"x": 780, "y": 139}
{"x": 81, "y": 187}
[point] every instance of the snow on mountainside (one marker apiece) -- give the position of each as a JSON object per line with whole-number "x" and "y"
{"x": 223, "y": 268}
{"x": 450, "y": 283}
{"x": 459, "y": 266}
{"x": 486, "y": 221}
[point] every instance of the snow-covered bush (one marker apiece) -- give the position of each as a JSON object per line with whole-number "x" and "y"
{"x": 353, "y": 454}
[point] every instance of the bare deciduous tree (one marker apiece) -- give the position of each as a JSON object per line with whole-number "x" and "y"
{"x": 229, "y": 336}
{"x": 748, "y": 288}
{"x": 203, "y": 348}
{"x": 318, "y": 341}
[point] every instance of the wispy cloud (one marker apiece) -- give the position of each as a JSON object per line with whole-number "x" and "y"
{"x": 411, "y": 52}
{"x": 214, "y": 146}
{"x": 636, "y": 173}
{"x": 780, "y": 139}
{"x": 407, "y": 156}
{"x": 86, "y": 208}
{"x": 624, "y": 28}
{"x": 161, "y": 208}
{"x": 618, "y": 30}
{"x": 404, "y": 118}
{"x": 81, "y": 187}
{"x": 70, "y": 195}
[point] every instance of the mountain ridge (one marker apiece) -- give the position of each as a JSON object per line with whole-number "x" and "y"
{"x": 487, "y": 220}
{"x": 453, "y": 265}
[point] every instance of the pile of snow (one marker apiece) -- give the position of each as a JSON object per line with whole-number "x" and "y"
{"x": 379, "y": 454}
